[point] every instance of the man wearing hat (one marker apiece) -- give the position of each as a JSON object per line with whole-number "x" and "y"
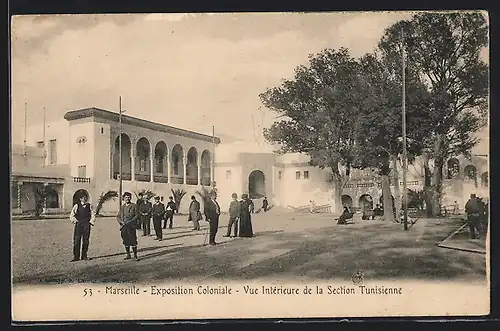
{"x": 473, "y": 211}
{"x": 127, "y": 218}
{"x": 158, "y": 213}
{"x": 83, "y": 218}
{"x": 212, "y": 213}
{"x": 169, "y": 213}
{"x": 145, "y": 211}
{"x": 194, "y": 213}
{"x": 234, "y": 214}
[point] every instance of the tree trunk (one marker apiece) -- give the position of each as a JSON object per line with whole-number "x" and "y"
{"x": 397, "y": 191}
{"x": 427, "y": 186}
{"x": 437, "y": 177}
{"x": 387, "y": 198}
{"x": 338, "y": 186}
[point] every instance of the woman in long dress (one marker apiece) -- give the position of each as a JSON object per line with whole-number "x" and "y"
{"x": 245, "y": 217}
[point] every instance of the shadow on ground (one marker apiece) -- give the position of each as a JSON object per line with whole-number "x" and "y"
{"x": 381, "y": 249}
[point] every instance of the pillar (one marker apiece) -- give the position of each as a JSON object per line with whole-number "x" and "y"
{"x": 151, "y": 162}
{"x": 198, "y": 164}
{"x": 132, "y": 158}
{"x": 45, "y": 200}
{"x": 19, "y": 192}
{"x": 184, "y": 166}
{"x": 169, "y": 168}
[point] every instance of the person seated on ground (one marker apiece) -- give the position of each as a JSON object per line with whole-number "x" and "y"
{"x": 378, "y": 211}
{"x": 346, "y": 214}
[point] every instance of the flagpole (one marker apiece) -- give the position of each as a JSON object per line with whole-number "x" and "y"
{"x": 25, "y": 124}
{"x": 120, "y": 190}
{"x": 405, "y": 193}
{"x": 213, "y": 157}
{"x": 44, "y": 142}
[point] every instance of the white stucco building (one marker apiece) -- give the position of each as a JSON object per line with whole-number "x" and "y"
{"x": 80, "y": 154}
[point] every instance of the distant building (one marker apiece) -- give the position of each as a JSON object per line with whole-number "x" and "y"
{"x": 80, "y": 154}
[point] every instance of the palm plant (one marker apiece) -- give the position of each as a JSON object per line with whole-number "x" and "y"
{"x": 148, "y": 194}
{"x": 204, "y": 194}
{"x": 41, "y": 194}
{"x": 104, "y": 197}
{"x": 178, "y": 194}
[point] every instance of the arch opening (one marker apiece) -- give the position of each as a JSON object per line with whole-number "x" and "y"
{"x": 453, "y": 168}
{"x": 143, "y": 167}
{"x": 126, "y": 158}
{"x": 192, "y": 167}
{"x": 177, "y": 166}
{"x": 366, "y": 202}
{"x": 206, "y": 168}
{"x": 346, "y": 201}
{"x": 78, "y": 194}
{"x": 160, "y": 170}
{"x": 485, "y": 179}
{"x": 256, "y": 185}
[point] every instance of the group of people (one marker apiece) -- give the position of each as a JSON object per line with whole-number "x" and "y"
{"x": 477, "y": 216}
{"x": 136, "y": 216}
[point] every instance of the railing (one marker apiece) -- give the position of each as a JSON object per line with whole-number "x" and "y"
{"x": 81, "y": 180}
{"x": 315, "y": 209}
{"x": 143, "y": 177}
{"x": 125, "y": 175}
{"x": 160, "y": 179}
{"x": 192, "y": 181}
{"x": 177, "y": 180}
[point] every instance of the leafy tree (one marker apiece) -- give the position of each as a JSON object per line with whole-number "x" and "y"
{"x": 380, "y": 144}
{"x": 320, "y": 111}
{"x": 444, "y": 49}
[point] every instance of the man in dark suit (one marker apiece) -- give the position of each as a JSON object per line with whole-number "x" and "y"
{"x": 83, "y": 218}
{"x": 158, "y": 214}
{"x": 169, "y": 213}
{"x": 234, "y": 214}
{"x": 145, "y": 209}
{"x": 212, "y": 213}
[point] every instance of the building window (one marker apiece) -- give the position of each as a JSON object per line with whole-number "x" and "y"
{"x": 142, "y": 165}
{"x": 279, "y": 174}
{"x": 40, "y": 144}
{"x": 297, "y": 175}
{"x": 175, "y": 159}
{"x": 228, "y": 174}
{"x": 82, "y": 171}
{"x": 53, "y": 151}
{"x": 306, "y": 174}
{"x": 102, "y": 130}
{"x": 159, "y": 165}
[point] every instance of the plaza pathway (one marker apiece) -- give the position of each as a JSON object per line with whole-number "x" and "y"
{"x": 287, "y": 245}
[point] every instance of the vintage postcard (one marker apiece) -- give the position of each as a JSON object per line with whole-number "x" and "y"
{"x": 250, "y": 165}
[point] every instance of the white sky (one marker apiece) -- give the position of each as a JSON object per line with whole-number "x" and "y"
{"x": 186, "y": 70}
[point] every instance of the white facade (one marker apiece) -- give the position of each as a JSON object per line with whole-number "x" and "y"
{"x": 83, "y": 149}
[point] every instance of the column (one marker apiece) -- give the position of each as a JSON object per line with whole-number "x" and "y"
{"x": 19, "y": 192}
{"x": 199, "y": 168}
{"x": 132, "y": 158}
{"x": 45, "y": 200}
{"x": 168, "y": 168}
{"x": 184, "y": 165}
{"x": 151, "y": 162}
